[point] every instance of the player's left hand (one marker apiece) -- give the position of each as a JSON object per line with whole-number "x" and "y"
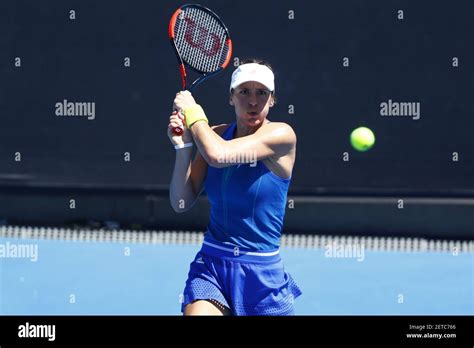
{"x": 183, "y": 100}
{"x": 177, "y": 120}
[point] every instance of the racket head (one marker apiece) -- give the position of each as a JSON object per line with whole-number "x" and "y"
{"x": 201, "y": 42}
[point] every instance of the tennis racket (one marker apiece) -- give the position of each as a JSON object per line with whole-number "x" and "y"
{"x": 201, "y": 42}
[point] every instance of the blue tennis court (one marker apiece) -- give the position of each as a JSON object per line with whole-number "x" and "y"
{"x": 65, "y": 272}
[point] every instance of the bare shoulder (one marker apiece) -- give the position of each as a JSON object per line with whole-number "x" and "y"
{"x": 280, "y": 130}
{"x": 220, "y": 128}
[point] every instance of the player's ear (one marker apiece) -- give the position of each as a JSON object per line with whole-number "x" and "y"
{"x": 230, "y": 99}
{"x": 272, "y": 101}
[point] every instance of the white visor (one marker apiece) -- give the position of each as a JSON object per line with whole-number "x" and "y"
{"x": 253, "y": 72}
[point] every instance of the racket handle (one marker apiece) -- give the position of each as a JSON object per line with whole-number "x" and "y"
{"x": 178, "y": 130}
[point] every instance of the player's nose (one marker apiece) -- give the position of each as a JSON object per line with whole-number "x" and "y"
{"x": 253, "y": 100}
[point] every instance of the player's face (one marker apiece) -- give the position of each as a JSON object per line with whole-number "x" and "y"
{"x": 252, "y": 102}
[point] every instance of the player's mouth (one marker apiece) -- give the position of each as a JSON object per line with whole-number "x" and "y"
{"x": 252, "y": 113}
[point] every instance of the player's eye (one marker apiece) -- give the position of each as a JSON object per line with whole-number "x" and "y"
{"x": 263, "y": 92}
{"x": 244, "y": 91}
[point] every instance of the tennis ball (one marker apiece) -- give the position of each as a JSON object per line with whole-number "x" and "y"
{"x": 362, "y": 139}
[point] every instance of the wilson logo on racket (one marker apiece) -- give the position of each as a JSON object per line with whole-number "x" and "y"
{"x": 201, "y": 42}
{"x": 199, "y": 37}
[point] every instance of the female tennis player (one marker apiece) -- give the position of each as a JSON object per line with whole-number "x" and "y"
{"x": 245, "y": 168}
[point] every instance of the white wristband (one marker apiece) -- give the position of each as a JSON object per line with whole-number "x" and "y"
{"x": 182, "y": 146}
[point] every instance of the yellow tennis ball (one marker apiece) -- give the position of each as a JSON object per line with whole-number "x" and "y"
{"x": 362, "y": 139}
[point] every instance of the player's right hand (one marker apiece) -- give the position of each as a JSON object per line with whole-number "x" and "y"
{"x": 177, "y": 120}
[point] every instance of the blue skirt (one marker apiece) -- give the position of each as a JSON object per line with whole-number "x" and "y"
{"x": 246, "y": 282}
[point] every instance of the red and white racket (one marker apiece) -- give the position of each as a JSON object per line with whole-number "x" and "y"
{"x": 201, "y": 42}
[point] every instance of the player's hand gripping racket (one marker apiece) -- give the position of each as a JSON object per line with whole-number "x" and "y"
{"x": 201, "y": 42}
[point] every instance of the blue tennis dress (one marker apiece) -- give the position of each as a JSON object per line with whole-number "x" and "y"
{"x": 239, "y": 264}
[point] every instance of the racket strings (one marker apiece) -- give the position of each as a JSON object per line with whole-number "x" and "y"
{"x": 198, "y": 55}
{"x": 200, "y": 40}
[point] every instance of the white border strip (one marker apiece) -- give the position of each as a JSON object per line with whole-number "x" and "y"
{"x": 197, "y": 238}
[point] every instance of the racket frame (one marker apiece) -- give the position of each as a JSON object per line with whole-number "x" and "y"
{"x": 183, "y": 65}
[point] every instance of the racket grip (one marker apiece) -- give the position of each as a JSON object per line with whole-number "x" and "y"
{"x": 178, "y": 130}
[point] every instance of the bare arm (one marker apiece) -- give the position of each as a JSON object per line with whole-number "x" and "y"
{"x": 274, "y": 140}
{"x": 182, "y": 194}
{"x": 187, "y": 181}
